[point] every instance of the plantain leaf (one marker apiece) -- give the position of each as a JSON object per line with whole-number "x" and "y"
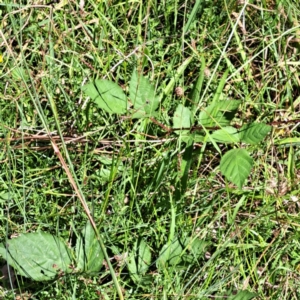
{"x": 88, "y": 251}
{"x": 236, "y": 165}
{"x": 139, "y": 260}
{"x": 182, "y": 118}
{"x": 144, "y": 257}
{"x": 170, "y": 254}
{"x": 142, "y": 96}
{"x": 107, "y": 95}
{"x": 243, "y": 295}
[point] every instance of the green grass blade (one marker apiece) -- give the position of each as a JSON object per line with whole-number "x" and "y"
{"x": 198, "y": 8}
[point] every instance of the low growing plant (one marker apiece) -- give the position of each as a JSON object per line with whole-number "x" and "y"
{"x": 213, "y": 122}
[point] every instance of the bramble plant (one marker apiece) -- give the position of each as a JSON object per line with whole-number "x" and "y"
{"x": 235, "y": 165}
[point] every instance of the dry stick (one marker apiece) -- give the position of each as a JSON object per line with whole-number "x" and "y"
{"x": 70, "y": 177}
{"x": 83, "y": 138}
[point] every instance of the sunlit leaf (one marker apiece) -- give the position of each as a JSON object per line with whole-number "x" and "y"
{"x": 236, "y": 165}
{"x": 254, "y": 133}
{"x": 88, "y": 251}
{"x": 182, "y": 118}
{"x": 139, "y": 260}
{"x": 142, "y": 95}
{"x": 39, "y": 256}
{"x": 107, "y": 95}
{"x": 227, "y": 134}
{"x": 243, "y": 295}
{"x": 170, "y": 254}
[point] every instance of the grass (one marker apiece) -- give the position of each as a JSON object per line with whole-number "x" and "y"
{"x": 127, "y": 171}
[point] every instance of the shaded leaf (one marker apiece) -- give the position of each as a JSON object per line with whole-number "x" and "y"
{"x": 219, "y": 113}
{"x": 254, "y": 133}
{"x": 40, "y": 256}
{"x": 236, "y": 165}
{"x": 107, "y": 95}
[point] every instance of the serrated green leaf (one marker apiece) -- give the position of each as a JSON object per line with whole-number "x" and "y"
{"x": 254, "y": 133}
{"x": 107, "y": 95}
{"x": 219, "y": 113}
{"x": 236, "y": 166}
{"x": 142, "y": 96}
{"x": 88, "y": 251}
{"x": 182, "y": 118}
{"x": 227, "y": 134}
{"x": 40, "y": 256}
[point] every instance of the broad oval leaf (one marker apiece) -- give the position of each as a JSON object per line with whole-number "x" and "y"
{"x": 170, "y": 254}
{"x": 139, "y": 260}
{"x": 254, "y": 133}
{"x": 132, "y": 267}
{"x": 196, "y": 249}
{"x": 219, "y": 113}
{"x": 107, "y": 95}
{"x": 88, "y": 251}
{"x": 182, "y": 118}
{"x": 144, "y": 257}
{"x": 236, "y": 166}
{"x": 40, "y": 256}
{"x": 142, "y": 96}
{"x": 226, "y": 134}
